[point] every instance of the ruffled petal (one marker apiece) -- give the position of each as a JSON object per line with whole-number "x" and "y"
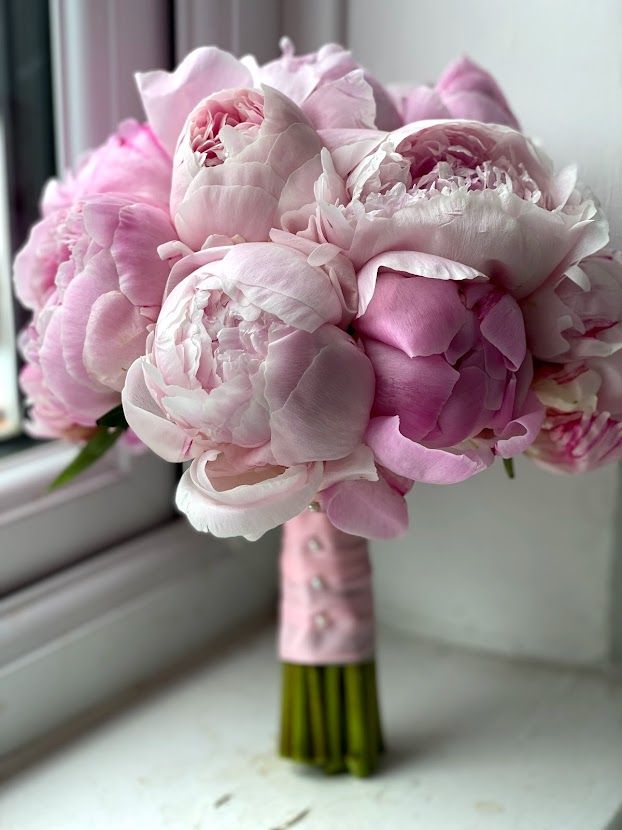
{"x": 367, "y": 508}
{"x": 419, "y": 463}
{"x": 149, "y": 422}
{"x": 168, "y": 97}
{"x": 227, "y": 502}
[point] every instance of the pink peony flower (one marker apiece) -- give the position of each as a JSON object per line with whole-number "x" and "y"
{"x": 582, "y": 429}
{"x": 464, "y": 90}
{"x": 330, "y": 87}
{"x": 169, "y": 97}
{"x": 248, "y": 374}
{"x": 452, "y": 369}
{"x": 242, "y": 162}
{"x": 478, "y": 194}
{"x": 132, "y": 161}
{"x": 93, "y": 278}
{"x": 579, "y": 315}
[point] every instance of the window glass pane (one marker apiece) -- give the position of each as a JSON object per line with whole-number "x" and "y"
{"x": 26, "y": 162}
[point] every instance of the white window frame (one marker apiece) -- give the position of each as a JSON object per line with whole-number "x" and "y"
{"x": 93, "y": 59}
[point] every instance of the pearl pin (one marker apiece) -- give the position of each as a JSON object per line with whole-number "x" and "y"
{"x": 314, "y": 507}
{"x": 317, "y": 583}
{"x": 320, "y": 621}
{"x": 314, "y": 545}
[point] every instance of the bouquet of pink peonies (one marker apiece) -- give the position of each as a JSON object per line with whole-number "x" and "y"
{"x": 318, "y": 292}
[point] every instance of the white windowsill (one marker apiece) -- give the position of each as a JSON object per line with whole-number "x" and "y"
{"x": 475, "y": 742}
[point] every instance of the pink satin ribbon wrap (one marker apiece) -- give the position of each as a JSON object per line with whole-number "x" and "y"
{"x": 327, "y": 613}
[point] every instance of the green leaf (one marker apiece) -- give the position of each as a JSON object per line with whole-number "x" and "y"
{"x": 98, "y": 445}
{"x": 508, "y": 465}
{"x": 114, "y": 418}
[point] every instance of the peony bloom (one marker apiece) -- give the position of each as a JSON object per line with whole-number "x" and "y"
{"x": 579, "y": 315}
{"x": 582, "y": 429}
{"x": 243, "y": 160}
{"x": 132, "y": 161}
{"x": 93, "y": 278}
{"x": 464, "y": 90}
{"x": 452, "y": 369}
{"x": 330, "y": 87}
{"x": 248, "y": 374}
{"x": 474, "y": 193}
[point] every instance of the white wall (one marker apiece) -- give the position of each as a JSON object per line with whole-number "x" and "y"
{"x": 525, "y": 566}
{"x": 559, "y": 63}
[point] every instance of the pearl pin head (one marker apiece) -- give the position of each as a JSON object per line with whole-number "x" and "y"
{"x": 320, "y": 621}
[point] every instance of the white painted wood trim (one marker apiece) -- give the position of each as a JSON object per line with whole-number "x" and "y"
{"x": 97, "y": 45}
{"x": 77, "y": 640}
{"x": 40, "y": 531}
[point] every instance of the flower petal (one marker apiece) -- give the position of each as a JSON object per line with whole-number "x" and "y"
{"x": 419, "y": 463}
{"x": 226, "y": 502}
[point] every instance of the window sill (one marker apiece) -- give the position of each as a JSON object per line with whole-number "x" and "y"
{"x": 474, "y": 742}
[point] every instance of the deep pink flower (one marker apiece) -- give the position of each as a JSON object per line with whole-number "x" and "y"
{"x": 464, "y": 90}
{"x": 452, "y": 369}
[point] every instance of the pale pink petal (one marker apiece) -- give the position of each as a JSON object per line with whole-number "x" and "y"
{"x": 522, "y": 430}
{"x": 307, "y": 426}
{"x": 367, "y": 508}
{"x": 514, "y": 242}
{"x": 149, "y": 422}
{"x": 168, "y": 97}
{"x": 233, "y": 503}
{"x": 419, "y": 463}
{"x": 237, "y": 210}
{"x": 142, "y": 274}
{"x": 504, "y": 328}
{"x": 98, "y": 277}
{"x": 115, "y": 336}
{"x": 345, "y": 102}
{"x": 411, "y": 262}
{"x": 84, "y": 401}
{"x": 360, "y": 464}
{"x": 279, "y": 280}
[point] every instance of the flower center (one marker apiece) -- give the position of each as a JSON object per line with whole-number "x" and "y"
{"x": 240, "y": 109}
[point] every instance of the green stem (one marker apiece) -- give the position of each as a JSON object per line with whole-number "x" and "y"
{"x": 300, "y": 716}
{"x": 285, "y": 741}
{"x": 330, "y": 717}
{"x": 334, "y": 720}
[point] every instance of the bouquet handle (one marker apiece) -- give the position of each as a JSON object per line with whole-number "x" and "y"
{"x": 330, "y": 715}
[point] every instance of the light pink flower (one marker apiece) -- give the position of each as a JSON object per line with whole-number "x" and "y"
{"x": 464, "y": 90}
{"x": 579, "y": 315}
{"x": 582, "y": 429}
{"x": 169, "y": 97}
{"x": 452, "y": 369}
{"x": 132, "y": 162}
{"x": 248, "y": 373}
{"x": 330, "y": 87}
{"x": 243, "y": 161}
{"x": 474, "y": 193}
{"x": 92, "y": 276}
